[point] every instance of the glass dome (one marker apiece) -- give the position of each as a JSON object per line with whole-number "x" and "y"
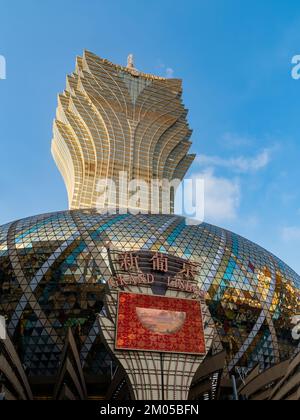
{"x": 52, "y": 278}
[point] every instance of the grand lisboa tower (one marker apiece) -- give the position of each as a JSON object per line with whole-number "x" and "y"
{"x": 133, "y": 305}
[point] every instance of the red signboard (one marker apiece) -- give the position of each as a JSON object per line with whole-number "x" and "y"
{"x": 158, "y": 323}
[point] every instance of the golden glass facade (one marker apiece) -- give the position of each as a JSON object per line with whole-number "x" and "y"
{"x": 113, "y": 119}
{"x": 56, "y": 269}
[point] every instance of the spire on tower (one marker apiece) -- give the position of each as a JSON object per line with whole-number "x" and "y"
{"x": 130, "y": 62}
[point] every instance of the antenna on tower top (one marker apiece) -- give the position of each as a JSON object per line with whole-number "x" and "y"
{"x": 130, "y": 62}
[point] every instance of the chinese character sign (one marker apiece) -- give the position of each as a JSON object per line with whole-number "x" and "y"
{"x": 160, "y": 263}
{"x": 190, "y": 270}
{"x": 129, "y": 262}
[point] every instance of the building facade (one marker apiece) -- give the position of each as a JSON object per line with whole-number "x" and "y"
{"x": 141, "y": 306}
{"x": 113, "y": 120}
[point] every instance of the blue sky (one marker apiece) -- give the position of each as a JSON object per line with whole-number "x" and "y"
{"x": 235, "y": 59}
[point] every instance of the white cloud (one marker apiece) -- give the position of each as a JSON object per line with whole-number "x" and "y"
{"x": 233, "y": 140}
{"x": 239, "y": 164}
{"x": 169, "y": 73}
{"x": 221, "y": 197}
{"x": 291, "y": 233}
